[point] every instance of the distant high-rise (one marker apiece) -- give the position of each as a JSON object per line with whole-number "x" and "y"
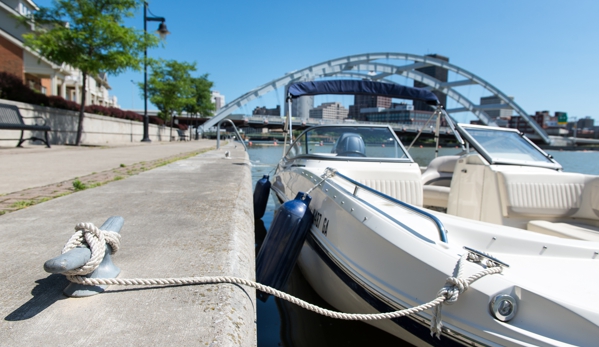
{"x": 438, "y": 73}
{"x": 301, "y": 107}
{"x": 329, "y": 110}
{"x": 502, "y": 116}
{"x": 217, "y": 99}
{"x": 503, "y": 113}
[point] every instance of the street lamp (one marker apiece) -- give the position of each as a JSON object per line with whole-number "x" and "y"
{"x": 162, "y": 31}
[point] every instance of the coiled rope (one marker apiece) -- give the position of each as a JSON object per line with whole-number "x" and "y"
{"x": 88, "y": 235}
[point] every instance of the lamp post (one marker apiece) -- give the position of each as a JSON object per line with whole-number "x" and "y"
{"x": 162, "y": 31}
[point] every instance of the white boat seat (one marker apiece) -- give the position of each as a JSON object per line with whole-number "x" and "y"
{"x": 402, "y": 183}
{"x": 589, "y": 206}
{"x": 564, "y": 230}
{"x": 536, "y": 193}
{"x": 440, "y": 170}
{"x": 435, "y": 196}
{"x": 403, "y": 190}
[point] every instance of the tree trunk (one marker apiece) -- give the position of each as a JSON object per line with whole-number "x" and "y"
{"x": 81, "y": 110}
{"x": 171, "y": 135}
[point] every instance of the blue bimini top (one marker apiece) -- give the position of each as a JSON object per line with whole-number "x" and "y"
{"x": 356, "y": 87}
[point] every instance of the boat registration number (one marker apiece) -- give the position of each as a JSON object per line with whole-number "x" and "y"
{"x": 318, "y": 218}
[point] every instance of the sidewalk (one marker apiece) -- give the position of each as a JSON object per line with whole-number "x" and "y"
{"x": 35, "y": 174}
{"x": 192, "y": 217}
{"x": 36, "y": 166}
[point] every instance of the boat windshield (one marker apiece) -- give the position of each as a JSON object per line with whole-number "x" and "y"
{"x": 506, "y": 146}
{"x": 376, "y": 142}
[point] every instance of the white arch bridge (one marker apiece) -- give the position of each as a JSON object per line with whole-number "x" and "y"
{"x": 379, "y": 67}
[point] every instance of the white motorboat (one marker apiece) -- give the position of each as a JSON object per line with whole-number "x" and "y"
{"x": 373, "y": 247}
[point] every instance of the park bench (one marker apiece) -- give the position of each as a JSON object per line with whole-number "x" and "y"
{"x": 11, "y": 119}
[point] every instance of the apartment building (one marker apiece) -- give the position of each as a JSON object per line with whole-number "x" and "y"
{"x": 50, "y": 78}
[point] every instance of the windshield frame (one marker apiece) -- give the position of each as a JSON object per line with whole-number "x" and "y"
{"x": 494, "y": 160}
{"x": 323, "y": 156}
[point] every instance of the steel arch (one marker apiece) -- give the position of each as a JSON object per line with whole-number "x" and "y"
{"x": 350, "y": 65}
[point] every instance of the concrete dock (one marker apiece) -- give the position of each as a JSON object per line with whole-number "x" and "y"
{"x": 192, "y": 217}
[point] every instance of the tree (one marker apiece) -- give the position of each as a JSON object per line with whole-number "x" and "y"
{"x": 170, "y": 86}
{"x": 89, "y": 35}
{"x": 202, "y": 104}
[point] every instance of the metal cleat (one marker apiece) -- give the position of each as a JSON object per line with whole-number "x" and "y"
{"x": 78, "y": 257}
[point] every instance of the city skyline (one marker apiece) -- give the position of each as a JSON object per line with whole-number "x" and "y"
{"x": 529, "y": 50}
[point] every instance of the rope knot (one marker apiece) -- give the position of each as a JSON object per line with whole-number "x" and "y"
{"x": 454, "y": 286}
{"x": 89, "y": 236}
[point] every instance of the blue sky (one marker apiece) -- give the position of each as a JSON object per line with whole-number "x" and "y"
{"x": 543, "y": 53}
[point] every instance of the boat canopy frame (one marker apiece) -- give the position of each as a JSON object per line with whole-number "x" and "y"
{"x": 356, "y": 87}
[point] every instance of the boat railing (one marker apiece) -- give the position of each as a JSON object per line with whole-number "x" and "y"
{"x": 236, "y": 132}
{"x": 435, "y": 220}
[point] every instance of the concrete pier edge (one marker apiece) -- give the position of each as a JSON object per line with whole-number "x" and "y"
{"x": 193, "y": 217}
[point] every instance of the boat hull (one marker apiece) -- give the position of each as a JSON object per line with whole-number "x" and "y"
{"x": 364, "y": 261}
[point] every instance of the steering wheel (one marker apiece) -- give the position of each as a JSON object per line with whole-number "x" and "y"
{"x": 351, "y": 154}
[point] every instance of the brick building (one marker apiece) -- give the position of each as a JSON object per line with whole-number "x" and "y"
{"x": 50, "y": 78}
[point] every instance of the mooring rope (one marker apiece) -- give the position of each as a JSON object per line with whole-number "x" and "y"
{"x": 96, "y": 239}
{"x": 88, "y": 235}
{"x": 328, "y": 173}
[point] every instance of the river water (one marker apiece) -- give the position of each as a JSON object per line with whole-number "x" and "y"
{"x": 283, "y": 324}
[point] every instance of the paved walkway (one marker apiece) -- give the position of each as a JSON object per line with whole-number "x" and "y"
{"x": 192, "y": 217}
{"x": 37, "y": 166}
{"x": 35, "y": 174}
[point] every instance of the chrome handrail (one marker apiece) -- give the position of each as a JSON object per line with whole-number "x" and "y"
{"x": 234, "y": 127}
{"x": 435, "y": 220}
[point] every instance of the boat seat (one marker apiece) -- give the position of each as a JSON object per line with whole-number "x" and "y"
{"x": 439, "y": 171}
{"x": 589, "y": 205}
{"x": 400, "y": 182}
{"x": 437, "y": 196}
{"x": 562, "y": 204}
{"x": 406, "y": 190}
{"x": 351, "y": 145}
{"x": 436, "y": 181}
{"x": 535, "y": 193}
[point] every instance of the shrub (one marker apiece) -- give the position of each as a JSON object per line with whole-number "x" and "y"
{"x": 97, "y": 109}
{"x": 13, "y": 88}
{"x": 133, "y": 116}
{"x": 156, "y": 120}
{"x": 116, "y": 112}
{"x": 59, "y": 102}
